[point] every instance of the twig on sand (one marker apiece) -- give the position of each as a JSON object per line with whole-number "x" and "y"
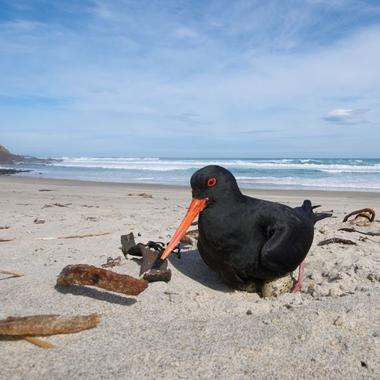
{"x": 12, "y": 273}
{"x": 336, "y": 240}
{"x": 369, "y": 233}
{"x": 74, "y": 236}
{"x": 3, "y": 240}
{"x": 82, "y": 274}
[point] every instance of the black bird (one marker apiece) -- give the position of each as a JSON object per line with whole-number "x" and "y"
{"x": 244, "y": 238}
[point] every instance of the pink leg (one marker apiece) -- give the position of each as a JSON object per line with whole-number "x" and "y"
{"x": 297, "y": 287}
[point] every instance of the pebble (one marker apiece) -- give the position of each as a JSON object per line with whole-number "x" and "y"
{"x": 339, "y": 321}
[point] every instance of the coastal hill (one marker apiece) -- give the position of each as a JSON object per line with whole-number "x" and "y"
{"x": 6, "y": 157}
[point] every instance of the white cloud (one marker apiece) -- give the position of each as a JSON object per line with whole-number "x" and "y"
{"x": 346, "y": 116}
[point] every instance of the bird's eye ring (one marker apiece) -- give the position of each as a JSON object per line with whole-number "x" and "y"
{"x": 211, "y": 182}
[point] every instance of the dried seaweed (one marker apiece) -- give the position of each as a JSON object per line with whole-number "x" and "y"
{"x": 112, "y": 262}
{"x": 47, "y": 324}
{"x": 368, "y": 213}
{"x": 369, "y": 233}
{"x": 336, "y": 240}
{"x": 82, "y": 274}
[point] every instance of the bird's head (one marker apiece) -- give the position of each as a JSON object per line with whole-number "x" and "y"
{"x": 214, "y": 183}
{"x": 209, "y": 185}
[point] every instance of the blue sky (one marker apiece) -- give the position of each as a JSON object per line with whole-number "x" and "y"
{"x": 190, "y": 78}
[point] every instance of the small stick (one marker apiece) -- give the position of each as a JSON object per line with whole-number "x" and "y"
{"x": 74, "y": 236}
{"x": 3, "y": 240}
{"x": 370, "y": 211}
{"x": 47, "y": 324}
{"x": 336, "y": 240}
{"x": 369, "y": 233}
{"x": 82, "y": 274}
{"x": 16, "y": 274}
{"x": 39, "y": 342}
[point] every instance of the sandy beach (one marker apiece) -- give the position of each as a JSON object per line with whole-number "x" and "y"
{"x": 193, "y": 327}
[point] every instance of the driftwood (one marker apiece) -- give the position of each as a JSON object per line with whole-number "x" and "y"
{"x": 363, "y": 216}
{"x": 47, "y": 324}
{"x": 336, "y": 240}
{"x": 82, "y": 274}
{"x": 39, "y": 342}
{"x": 12, "y": 273}
{"x": 155, "y": 275}
{"x": 369, "y": 233}
{"x": 75, "y": 236}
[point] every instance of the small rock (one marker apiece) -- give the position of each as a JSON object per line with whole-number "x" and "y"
{"x": 249, "y": 312}
{"x": 39, "y": 221}
{"x": 339, "y": 321}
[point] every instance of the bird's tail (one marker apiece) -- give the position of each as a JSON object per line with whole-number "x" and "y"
{"x": 316, "y": 216}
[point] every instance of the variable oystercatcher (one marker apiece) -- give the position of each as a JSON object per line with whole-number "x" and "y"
{"x": 242, "y": 238}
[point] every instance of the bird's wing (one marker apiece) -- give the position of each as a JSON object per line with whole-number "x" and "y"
{"x": 287, "y": 247}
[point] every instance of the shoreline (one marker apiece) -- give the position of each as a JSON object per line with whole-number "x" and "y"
{"x": 249, "y": 191}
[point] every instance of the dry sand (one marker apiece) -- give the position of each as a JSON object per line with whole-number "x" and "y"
{"x": 193, "y": 327}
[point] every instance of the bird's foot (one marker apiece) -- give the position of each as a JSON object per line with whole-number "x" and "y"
{"x": 297, "y": 287}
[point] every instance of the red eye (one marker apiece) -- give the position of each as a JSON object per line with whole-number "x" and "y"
{"x": 211, "y": 182}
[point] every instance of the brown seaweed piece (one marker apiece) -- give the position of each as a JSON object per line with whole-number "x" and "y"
{"x": 47, "y": 324}
{"x": 336, "y": 240}
{"x": 369, "y": 233}
{"x": 112, "y": 262}
{"x": 82, "y": 274}
{"x": 367, "y": 213}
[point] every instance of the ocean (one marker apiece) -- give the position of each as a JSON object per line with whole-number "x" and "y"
{"x": 321, "y": 174}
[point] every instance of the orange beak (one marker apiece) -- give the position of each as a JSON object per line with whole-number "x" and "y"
{"x": 196, "y": 206}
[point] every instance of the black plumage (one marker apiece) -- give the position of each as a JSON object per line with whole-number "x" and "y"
{"x": 245, "y": 238}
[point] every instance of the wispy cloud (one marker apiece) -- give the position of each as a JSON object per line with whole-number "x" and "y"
{"x": 346, "y": 116}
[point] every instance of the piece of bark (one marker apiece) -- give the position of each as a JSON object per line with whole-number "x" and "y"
{"x": 149, "y": 258}
{"x": 155, "y": 275}
{"x": 82, "y": 274}
{"x": 368, "y": 212}
{"x": 39, "y": 342}
{"x": 369, "y": 233}
{"x": 50, "y": 324}
{"x": 127, "y": 242}
{"x": 336, "y": 240}
{"x": 12, "y": 273}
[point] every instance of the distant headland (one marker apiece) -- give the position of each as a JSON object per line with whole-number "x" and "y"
{"x": 6, "y": 157}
